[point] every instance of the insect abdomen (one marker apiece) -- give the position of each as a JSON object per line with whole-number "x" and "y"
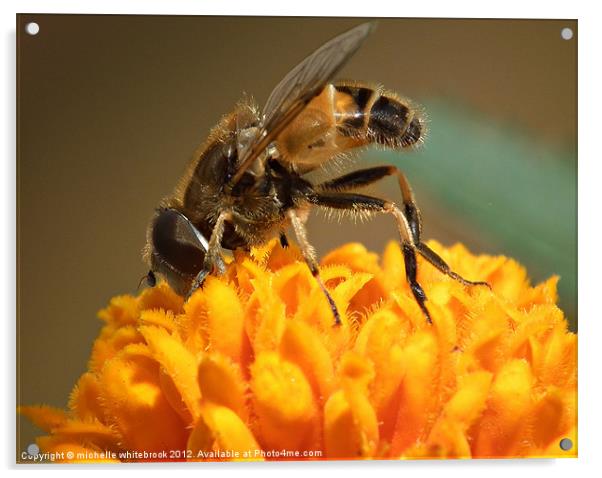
{"x": 377, "y": 116}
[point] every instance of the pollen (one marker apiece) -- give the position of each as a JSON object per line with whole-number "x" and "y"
{"x": 253, "y": 363}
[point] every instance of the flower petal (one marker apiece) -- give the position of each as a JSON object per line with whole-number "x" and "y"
{"x": 221, "y": 383}
{"x": 89, "y": 433}
{"x": 303, "y": 346}
{"x": 217, "y": 310}
{"x": 179, "y": 364}
{"x": 381, "y": 340}
{"x": 219, "y": 429}
{"x": 135, "y": 405}
{"x": 111, "y": 341}
{"x": 284, "y": 403}
{"x": 44, "y": 416}
{"x": 350, "y": 426}
{"x": 502, "y": 428}
{"x": 266, "y": 313}
{"x": 158, "y": 317}
{"x": 84, "y": 399}
{"x": 419, "y": 391}
{"x": 448, "y": 438}
{"x": 160, "y": 297}
{"x": 122, "y": 310}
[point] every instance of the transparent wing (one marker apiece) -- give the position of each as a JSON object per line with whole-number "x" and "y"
{"x": 308, "y": 78}
{"x": 299, "y": 86}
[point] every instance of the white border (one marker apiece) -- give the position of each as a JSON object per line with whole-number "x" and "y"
{"x": 590, "y": 321}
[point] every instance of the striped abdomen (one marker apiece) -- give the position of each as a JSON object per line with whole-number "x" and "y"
{"x": 346, "y": 116}
{"x": 377, "y": 116}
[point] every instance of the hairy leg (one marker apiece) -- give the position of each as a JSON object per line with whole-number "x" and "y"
{"x": 364, "y": 177}
{"x": 408, "y": 224}
{"x": 309, "y": 255}
{"x": 213, "y": 257}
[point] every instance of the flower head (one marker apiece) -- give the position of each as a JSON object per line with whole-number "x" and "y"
{"x": 253, "y": 364}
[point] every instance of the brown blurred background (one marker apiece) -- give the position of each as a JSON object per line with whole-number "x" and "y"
{"x": 110, "y": 109}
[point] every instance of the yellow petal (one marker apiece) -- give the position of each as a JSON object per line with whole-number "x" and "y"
{"x": 346, "y": 291}
{"x": 303, "y": 346}
{"x": 468, "y": 402}
{"x": 292, "y": 283}
{"x": 262, "y": 252}
{"x": 221, "y": 383}
{"x": 178, "y": 362}
{"x": 43, "y": 416}
{"x": 350, "y": 426}
{"x": 108, "y": 345}
{"x": 174, "y": 397}
{"x": 350, "y": 422}
{"x": 135, "y": 406}
{"x": 244, "y": 271}
{"x": 221, "y": 431}
{"x": 356, "y": 372}
{"x": 122, "y": 310}
{"x": 279, "y": 257}
{"x": 216, "y": 308}
{"x": 91, "y": 433}
{"x": 355, "y": 256}
{"x": 393, "y": 271}
{"x": 419, "y": 391}
{"x": 380, "y": 340}
{"x": 448, "y": 438}
{"x": 284, "y": 403}
{"x": 84, "y": 399}
{"x": 158, "y": 317}
{"x": 487, "y": 335}
{"x": 509, "y": 280}
{"x": 160, "y": 297}
{"x": 548, "y": 422}
{"x": 266, "y": 317}
{"x": 544, "y": 293}
{"x": 501, "y": 430}
{"x": 557, "y": 364}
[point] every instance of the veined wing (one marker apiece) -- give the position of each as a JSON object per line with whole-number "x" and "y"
{"x": 299, "y": 87}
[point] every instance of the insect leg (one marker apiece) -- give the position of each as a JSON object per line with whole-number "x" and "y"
{"x": 413, "y": 214}
{"x": 309, "y": 254}
{"x": 356, "y": 179}
{"x": 213, "y": 257}
{"x": 363, "y": 177}
{"x": 409, "y": 259}
{"x": 361, "y": 202}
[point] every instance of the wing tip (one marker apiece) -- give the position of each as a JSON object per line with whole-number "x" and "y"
{"x": 366, "y": 28}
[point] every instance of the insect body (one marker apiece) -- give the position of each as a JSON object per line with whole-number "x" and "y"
{"x": 248, "y": 182}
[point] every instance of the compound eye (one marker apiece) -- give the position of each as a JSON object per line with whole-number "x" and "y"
{"x": 177, "y": 245}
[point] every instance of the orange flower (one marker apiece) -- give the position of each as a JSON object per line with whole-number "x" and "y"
{"x": 252, "y": 367}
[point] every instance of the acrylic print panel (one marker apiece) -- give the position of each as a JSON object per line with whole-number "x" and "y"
{"x": 383, "y": 351}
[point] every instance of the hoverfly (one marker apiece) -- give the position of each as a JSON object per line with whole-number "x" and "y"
{"x": 248, "y": 182}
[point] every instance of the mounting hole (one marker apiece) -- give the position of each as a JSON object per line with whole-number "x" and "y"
{"x": 33, "y": 449}
{"x": 566, "y": 444}
{"x": 32, "y": 28}
{"x": 566, "y": 33}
